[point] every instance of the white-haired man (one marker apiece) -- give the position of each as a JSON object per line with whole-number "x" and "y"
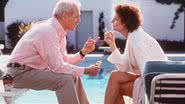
{"x": 40, "y": 61}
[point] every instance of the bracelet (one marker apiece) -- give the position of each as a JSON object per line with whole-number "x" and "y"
{"x": 82, "y": 54}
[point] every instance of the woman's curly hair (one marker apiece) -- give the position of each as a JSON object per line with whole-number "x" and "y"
{"x": 129, "y": 15}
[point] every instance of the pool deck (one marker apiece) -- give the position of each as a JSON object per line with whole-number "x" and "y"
{"x": 171, "y": 56}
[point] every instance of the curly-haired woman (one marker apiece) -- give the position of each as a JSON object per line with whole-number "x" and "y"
{"x": 140, "y": 48}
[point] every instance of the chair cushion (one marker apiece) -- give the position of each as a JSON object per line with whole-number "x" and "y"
{"x": 164, "y": 66}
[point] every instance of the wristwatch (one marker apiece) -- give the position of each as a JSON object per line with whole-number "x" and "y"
{"x": 81, "y": 54}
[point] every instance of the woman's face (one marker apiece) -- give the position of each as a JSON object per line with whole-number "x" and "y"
{"x": 117, "y": 24}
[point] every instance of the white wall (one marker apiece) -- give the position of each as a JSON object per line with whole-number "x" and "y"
{"x": 28, "y": 10}
{"x": 96, "y": 6}
{"x": 33, "y": 10}
{"x": 157, "y": 17}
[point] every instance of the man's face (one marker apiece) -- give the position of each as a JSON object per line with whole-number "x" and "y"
{"x": 72, "y": 19}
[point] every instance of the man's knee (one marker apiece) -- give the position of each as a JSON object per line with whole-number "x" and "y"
{"x": 65, "y": 80}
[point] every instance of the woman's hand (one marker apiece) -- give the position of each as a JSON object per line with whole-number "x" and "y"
{"x": 110, "y": 40}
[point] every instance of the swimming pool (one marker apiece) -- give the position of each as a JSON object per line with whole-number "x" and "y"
{"x": 94, "y": 86}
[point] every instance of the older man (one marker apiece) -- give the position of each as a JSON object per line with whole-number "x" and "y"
{"x": 40, "y": 61}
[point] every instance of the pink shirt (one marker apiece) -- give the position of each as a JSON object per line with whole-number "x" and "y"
{"x": 43, "y": 47}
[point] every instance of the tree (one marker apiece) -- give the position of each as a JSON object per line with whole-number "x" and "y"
{"x": 101, "y": 26}
{"x": 16, "y": 30}
{"x": 2, "y": 7}
{"x": 180, "y": 10}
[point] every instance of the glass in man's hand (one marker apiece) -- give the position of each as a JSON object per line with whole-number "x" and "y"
{"x": 98, "y": 63}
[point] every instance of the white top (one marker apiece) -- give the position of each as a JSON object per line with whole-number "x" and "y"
{"x": 140, "y": 48}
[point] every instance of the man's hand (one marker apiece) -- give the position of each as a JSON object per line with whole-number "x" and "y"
{"x": 89, "y": 45}
{"x": 110, "y": 40}
{"x": 92, "y": 70}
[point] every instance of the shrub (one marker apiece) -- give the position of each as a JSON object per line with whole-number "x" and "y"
{"x": 101, "y": 27}
{"x": 16, "y": 30}
{"x": 172, "y": 45}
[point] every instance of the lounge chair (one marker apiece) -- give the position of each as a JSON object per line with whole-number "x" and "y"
{"x": 165, "y": 82}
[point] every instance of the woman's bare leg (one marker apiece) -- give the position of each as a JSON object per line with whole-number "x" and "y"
{"x": 114, "y": 84}
{"x": 120, "y": 99}
{"x": 112, "y": 90}
{"x": 125, "y": 89}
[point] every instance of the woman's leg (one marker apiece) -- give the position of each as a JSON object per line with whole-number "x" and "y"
{"x": 125, "y": 89}
{"x": 116, "y": 84}
{"x": 120, "y": 99}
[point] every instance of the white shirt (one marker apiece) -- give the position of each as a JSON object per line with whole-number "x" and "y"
{"x": 140, "y": 48}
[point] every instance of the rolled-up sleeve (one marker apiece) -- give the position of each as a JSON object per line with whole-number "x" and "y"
{"x": 120, "y": 60}
{"x": 49, "y": 49}
{"x": 74, "y": 58}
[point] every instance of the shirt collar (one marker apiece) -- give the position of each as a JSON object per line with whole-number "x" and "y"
{"x": 130, "y": 34}
{"x": 58, "y": 26}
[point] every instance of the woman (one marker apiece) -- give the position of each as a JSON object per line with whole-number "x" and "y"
{"x": 140, "y": 48}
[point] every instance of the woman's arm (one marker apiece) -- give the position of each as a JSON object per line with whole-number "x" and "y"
{"x": 110, "y": 40}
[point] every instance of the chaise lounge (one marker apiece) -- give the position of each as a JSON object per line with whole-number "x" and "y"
{"x": 165, "y": 82}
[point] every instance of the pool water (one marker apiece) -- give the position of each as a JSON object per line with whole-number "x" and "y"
{"x": 94, "y": 86}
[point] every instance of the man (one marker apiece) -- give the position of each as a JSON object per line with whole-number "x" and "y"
{"x": 40, "y": 62}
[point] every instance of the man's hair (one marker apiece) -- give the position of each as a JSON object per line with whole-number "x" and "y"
{"x": 65, "y": 6}
{"x": 129, "y": 15}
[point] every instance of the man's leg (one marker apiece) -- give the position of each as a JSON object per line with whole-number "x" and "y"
{"x": 80, "y": 91}
{"x": 63, "y": 84}
{"x": 115, "y": 81}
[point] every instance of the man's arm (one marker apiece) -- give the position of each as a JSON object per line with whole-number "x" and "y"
{"x": 88, "y": 47}
{"x": 49, "y": 49}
